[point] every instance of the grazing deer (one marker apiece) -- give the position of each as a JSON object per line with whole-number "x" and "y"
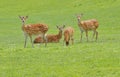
{"x": 68, "y": 35}
{"x": 88, "y": 25}
{"x": 33, "y": 29}
{"x": 50, "y": 37}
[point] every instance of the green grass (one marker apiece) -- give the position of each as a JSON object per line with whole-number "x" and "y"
{"x": 86, "y": 59}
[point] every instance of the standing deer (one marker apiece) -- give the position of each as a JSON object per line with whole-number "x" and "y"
{"x": 88, "y": 25}
{"x": 68, "y": 35}
{"x": 51, "y": 37}
{"x": 33, "y": 29}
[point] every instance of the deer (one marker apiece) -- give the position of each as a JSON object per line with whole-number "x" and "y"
{"x": 52, "y": 38}
{"x": 68, "y": 35}
{"x": 33, "y": 29}
{"x": 88, "y": 25}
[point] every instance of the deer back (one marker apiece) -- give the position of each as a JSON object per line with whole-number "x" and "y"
{"x": 89, "y": 24}
{"x": 68, "y": 32}
{"x": 35, "y": 29}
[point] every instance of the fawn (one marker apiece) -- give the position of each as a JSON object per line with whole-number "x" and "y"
{"x": 51, "y": 37}
{"x": 33, "y": 29}
{"x": 68, "y": 35}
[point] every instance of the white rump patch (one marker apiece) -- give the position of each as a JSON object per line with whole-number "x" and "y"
{"x": 45, "y": 35}
{"x": 29, "y": 25}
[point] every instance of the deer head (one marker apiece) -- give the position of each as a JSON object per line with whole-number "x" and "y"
{"x": 23, "y": 18}
{"x": 61, "y": 28}
{"x": 79, "y": 16}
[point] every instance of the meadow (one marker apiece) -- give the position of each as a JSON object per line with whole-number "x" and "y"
{"x": 83, "y": 59}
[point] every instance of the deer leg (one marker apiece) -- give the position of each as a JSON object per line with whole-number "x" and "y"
{"x": 40, "y": 40}
{"x": 31, "y": 41}
{"x": 26, "y": 36}
{"x": 63, "y": 42}
{"x": 93, "y": 34}
{"x": 87, "y": 35}
{"x": 96, "y": 35}
{"x": 72, "y": 40}
{"x": 81, "y": 36}
{"x": 45, "y": 39}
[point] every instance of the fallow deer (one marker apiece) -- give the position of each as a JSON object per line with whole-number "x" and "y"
{"x": 88, "y": 25}
{"x": 33, "y": 29}
{"x": 52, "y": 38}
{"x": 68, "y": 35}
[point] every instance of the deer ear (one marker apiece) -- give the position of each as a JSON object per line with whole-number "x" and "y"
{"x": 26, "y": 16}
{"x": 81, "y": 14}
{"x": 19, "y": 16}
{"x": 57, "y": 26}
{"x": 63, "y": 26}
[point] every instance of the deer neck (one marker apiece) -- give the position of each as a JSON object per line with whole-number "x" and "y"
{"x": 23, "y": 23}
{"x": 79, "y": 21}
{"x": 60, "y": 34}
{"x": 23, "y": 26}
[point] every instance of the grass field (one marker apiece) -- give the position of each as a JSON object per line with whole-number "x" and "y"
{"x": 86, "y": 59}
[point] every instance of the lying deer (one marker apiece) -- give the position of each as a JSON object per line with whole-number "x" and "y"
{"x": 68, "y": 35}
{"x": 51, "y": 37}
{"x": 33, "y": 29}
{"x": 88, "y": 25}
